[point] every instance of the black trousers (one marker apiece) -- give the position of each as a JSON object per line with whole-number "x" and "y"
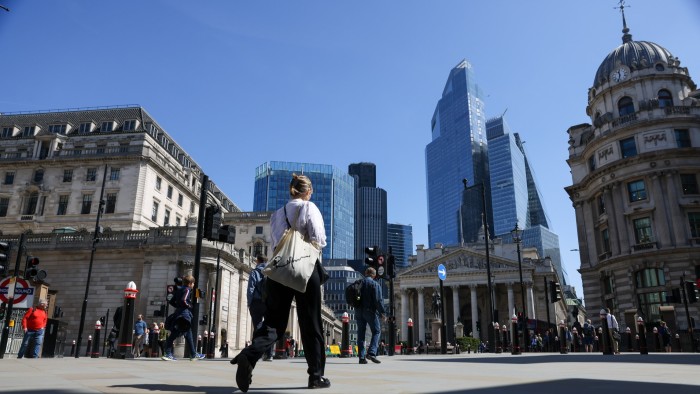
{"x": 278, "y": 302}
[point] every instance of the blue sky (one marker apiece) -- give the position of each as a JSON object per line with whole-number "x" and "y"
{"x": 238, "y": 83}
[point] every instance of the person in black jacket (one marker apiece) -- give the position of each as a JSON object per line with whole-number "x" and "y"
{"x": 369, "y": 312}
{"x": 180, "y": 322}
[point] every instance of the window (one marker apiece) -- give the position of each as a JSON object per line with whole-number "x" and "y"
{"x": 258, "y": 230}
{"x": 628, "y": 148}
{"x": 192, "y": 206}
{"x": 637, "y": 190}
{"x": 178, "y": 220}
{"x": 107, "y": 126}
{"x": 114, "y": 174}
{"x": 689, "y": 183}
{"x": 650, "y": 277}
{"x": 605, "y": 238}
{"x": 57, "y": 129}
{"x": 170, "y": 192}
{"x": 591, "y": 163}
{"x": 4, "y": 203}
{"x": 85, "y": 128}
{"x": 166, "y": 218}
{"x": 180, "y": 199}
{"x": 91, "y": 175}
{"x": 154, "y": 211}
{"x": 625, "y": 106}
{"x": 665, "y": 98}
{"x": 649, "y": 304}
{"x": 8, "y": 132}
{"x": 31, "y": 204}
{"x": 9, "y": 177}
{"x": 694, "y": 220}
{"x": 682, "y": 138}
{"x": 63, "y": 204}
{"x": 129, "y": 125}
{"x": 642, "y": 230}
{"x": 601, "y": 205}
{"x": 608, "y": 284}
{"x": 158, "y": 182}
{"x": 86, "y": 205}
{"x": 111, "y": 202}
{"x": 257, "y": 248}
{"x": 67, "y": 176}
{"x": 29, "y": 131}
{"x": 38, "y": 175}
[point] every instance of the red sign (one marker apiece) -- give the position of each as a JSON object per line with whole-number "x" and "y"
{"x": 20, "y": 292}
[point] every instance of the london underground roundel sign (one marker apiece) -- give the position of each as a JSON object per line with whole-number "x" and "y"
{"x": 22, "y": 290}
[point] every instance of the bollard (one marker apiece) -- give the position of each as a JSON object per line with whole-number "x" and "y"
{"x": 504, "y": 334}
{"x": 124, "y": 344}
{"x": 607, "y": 339}
{"x": 641, "y": 330}
{"x": 678, "y": 343}
{"x": 574, "y": 339}
{"x": 212, "y": 342}
{"x": 205, "y": 343}
{"x": 657, "y": 342}
{"x": 199, "y": 344}
{"x": 72, "y": 349}
{"x": 409, "y": 339}
{"x": 96, "y": 343}
{"x": 345, "y": 349}
{"x": 562, "y": 338}
{"x": 497, "y": 338}
{"x": 515, "y": 340}
{"x": 628, "y": 331}
{"x": 89, "y": 346}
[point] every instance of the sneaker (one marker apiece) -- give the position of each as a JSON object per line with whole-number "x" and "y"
{"x": 373, "y": 359}
{"x": 363, "y": 361}
{"x": 198, "y": 356}
{"x": 168, "y": 357}
{"x": 244, "y": 374}
{"x": 321, "y": 383}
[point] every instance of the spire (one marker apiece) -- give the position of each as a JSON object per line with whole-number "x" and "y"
{"x": 626, "y": 37}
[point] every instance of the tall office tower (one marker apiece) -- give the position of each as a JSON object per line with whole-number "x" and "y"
{"x": 400, "y": 240}
{"x": 457, "y": 151}
{"x": 370, "y": 209}
{"x": 334, "y": 194}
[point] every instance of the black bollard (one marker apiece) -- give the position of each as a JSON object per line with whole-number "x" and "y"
{"x": 126, "y": 328}
{"x": 88, "y": 349}
{"x": 497, "y": 338}
{"x": 72, "y": 349}
{"x": 205, "y": 343}
{"x": 409, "y": 339}
{"x": 504, "y": 331}
{"x": 96, "y": 343}
{"x": 516, "y": 337}
{"x": 199, "y": 344}
{"x": 629, "y": 339}
{"x": 607, "y": 340}
{"x": 657, "y": 340}
{"x": 212, "y": 344}
{"x": 345, "y": 349}
{"x": 641, "y": 329}
{"x": 562, "y": 338}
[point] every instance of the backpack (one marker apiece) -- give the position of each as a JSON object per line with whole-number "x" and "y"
{"x": 353, "y": 293}
{"x": 588, "y": 330}
{"x": 257, "y": 282}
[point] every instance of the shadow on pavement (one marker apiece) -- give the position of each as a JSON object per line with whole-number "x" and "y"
{"x": 583, "y": 386}
{"x": 679, "y": 359}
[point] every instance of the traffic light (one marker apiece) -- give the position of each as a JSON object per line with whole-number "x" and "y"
{"x": 212, "y": 223}
{"x": 203, "y": 321}
{"x": 691, "y": 289}
{"x": 227, "y": 233}
{"x": 554, "y": 291}
{"x": 674, "y": 297}
{"x": 391, "y": 267}
{"x": 4, "y": 258}
{"x": 375, "y": 259}
{"x": 31, "y": 269}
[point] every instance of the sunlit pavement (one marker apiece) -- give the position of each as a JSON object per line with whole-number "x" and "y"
{"x": 465, "y": 373}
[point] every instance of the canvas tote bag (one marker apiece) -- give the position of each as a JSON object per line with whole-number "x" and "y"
{"x": 293, "y": 260}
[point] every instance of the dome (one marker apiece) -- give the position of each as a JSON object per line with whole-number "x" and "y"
{"x": 634, "y": 54}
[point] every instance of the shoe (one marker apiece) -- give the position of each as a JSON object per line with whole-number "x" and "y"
{"x": 373, "y": 359}
{"x": 363, "y": 361}
{"x": 321, "y": 383}
{"x": 244, "y": 374}
{"x": 198, "y": 356}
{"x": 234, "y": 360}
{"x": 168, "y": 357}
{"x": 267, "y": 359}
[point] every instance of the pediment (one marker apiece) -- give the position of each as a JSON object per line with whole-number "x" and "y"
{"x": 461, "y": 260}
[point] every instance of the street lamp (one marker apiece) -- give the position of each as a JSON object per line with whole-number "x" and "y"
{"x": 488, "y": 261}
{"x": 517, "y": 234}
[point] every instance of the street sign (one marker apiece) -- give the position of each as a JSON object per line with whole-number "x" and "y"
{"x": 442, "y": 272}
{"x": 23, "y": 292}
{"x": 169, "y": 292}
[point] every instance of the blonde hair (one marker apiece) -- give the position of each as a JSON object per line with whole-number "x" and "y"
{"x": 187, "y": 280}
{"x": 300, "y": 184}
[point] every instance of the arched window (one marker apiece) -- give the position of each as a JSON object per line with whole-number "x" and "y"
{"x": 31, "y": 203}
{"x": 665, "y": 99}
{"x": 648, "y": 298}
{"x": 625, "y": 106}
{"x": 257, "y": 249}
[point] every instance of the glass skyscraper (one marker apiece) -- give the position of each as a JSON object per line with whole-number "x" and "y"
{"x": 400, "y": 240}
{"x": 370, "y": 209}
{"x": 334, "y": 194}
{"x": 457, "y": 151}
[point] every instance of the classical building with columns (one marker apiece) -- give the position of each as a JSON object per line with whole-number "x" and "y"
{"x": 635, "y": 173}
{"x": 466, "y": 289}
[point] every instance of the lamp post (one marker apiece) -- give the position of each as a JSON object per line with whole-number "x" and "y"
{"x": 517, "y": 234}
{"x": 488, "y": 261}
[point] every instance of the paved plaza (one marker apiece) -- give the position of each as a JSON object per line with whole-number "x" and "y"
{"x": 464, "y": 373}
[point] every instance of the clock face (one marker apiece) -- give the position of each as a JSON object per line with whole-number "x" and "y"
{"x": 619, "y": 75}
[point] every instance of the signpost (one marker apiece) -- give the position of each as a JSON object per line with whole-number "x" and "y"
{"x": 442, "y": 275}
{"x": 21, "y": 293}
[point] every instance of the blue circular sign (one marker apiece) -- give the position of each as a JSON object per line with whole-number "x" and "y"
{"x": 442, "y": 272}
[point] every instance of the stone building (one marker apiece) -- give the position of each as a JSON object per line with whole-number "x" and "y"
{"x": 635, "y": 184}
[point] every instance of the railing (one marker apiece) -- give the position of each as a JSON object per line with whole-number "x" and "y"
{"x": 677, "y": 110}
{"x": 109, "y": 150}
{"x": 624, "y": 119}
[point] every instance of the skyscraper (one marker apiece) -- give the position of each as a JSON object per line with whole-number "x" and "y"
{"x": 334, "y": 194}
{"x": 400, "y": 240}
{"x": 457, "y": 151}
{"x": 370, "y": 209}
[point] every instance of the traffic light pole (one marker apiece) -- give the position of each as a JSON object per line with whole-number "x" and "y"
{"x": 686, "y": 296}
{"x": 198, "y": 251}
{"x": 11, "y": 297}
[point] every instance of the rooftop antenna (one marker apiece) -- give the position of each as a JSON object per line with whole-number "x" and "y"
{"x": 626, "y": 37}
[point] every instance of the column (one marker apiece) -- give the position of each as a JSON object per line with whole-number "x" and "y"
{"x": 612, "y": 222}
{"x": 511, "y": 302}
{"x": 530, "y": 301}
{"x": 475, "y": 311}
{"x": 676, "y": 216}
{"x": 404, "y": 315}
{"x": 242, "y": 333}
{"x": 455, "y": 304}
{"x": 421, "y": 316}
{"x": 661, "y": 228}
{"x": 618, "y": 197}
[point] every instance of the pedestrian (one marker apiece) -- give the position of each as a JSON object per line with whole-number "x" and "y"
{"x": 588, "y": 335}
{"x": 180, "y": 322}
{"x": 139, "y": 336}
{"x": 162, "y": 337}
{"x": 256, "y": 299}
{"x": 665, "y": 334}
{"x": 613, "y": 334}
{"x": 309, "y": 223}
{"x": 370, "y": 310}
{"x": 153, "y": 334}
{"x": 34, "y": 325}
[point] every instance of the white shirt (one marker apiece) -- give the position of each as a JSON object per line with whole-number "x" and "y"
{"x": 309, "y": 222}
{"x": 612, "y": 321}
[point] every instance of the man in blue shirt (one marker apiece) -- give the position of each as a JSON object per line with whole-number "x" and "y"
{"x": 139, "y": 336}
{"x": 369, "y": 312}
{"x": 256, "y": 299}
